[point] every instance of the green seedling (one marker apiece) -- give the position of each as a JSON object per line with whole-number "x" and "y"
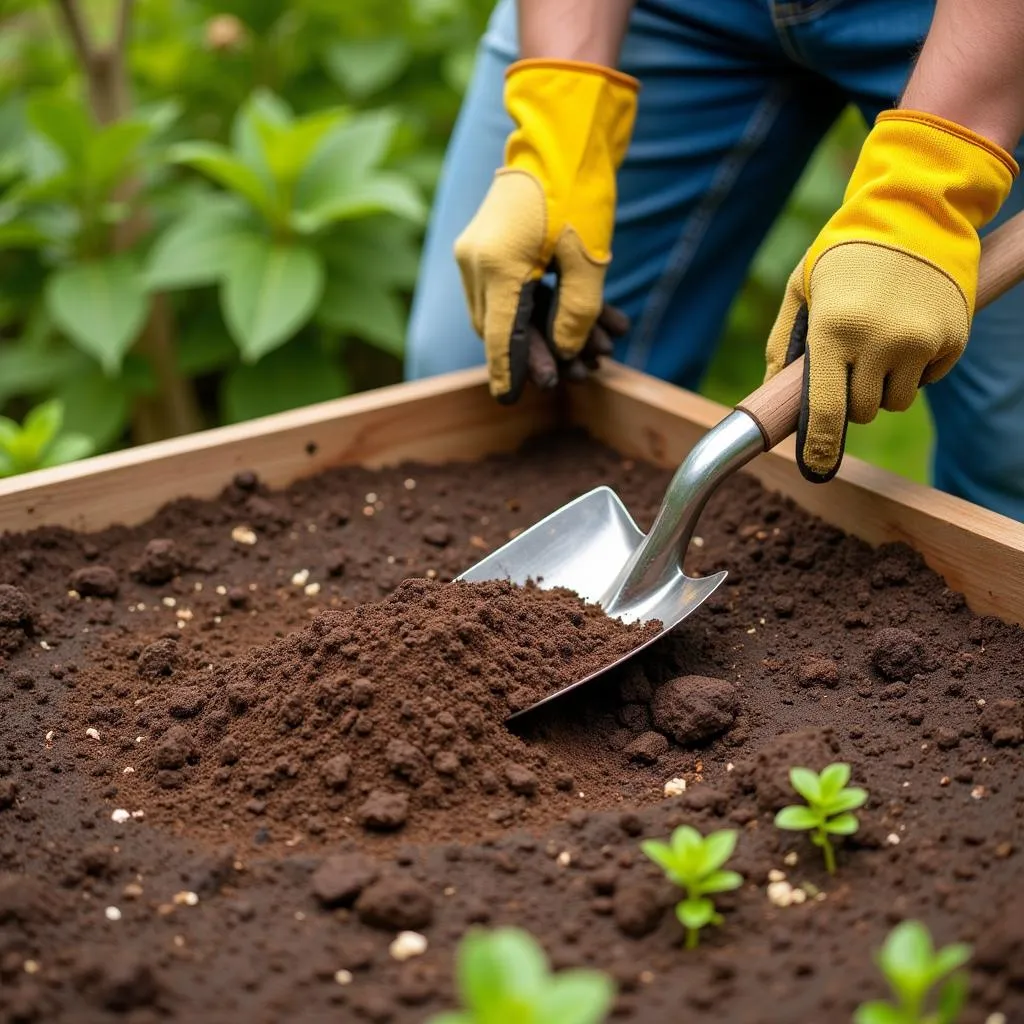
{"x": 38, "y": 443}
{"x": 503, "y": 977}
{"x": 830, "y": 804}
{"x": 918, "y": 974}
{"x": 694, "y": 863}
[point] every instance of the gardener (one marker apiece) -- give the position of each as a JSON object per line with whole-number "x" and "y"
{"x": 736, "y": 95}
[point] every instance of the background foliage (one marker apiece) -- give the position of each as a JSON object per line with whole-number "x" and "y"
{"x": 212, "y": 209}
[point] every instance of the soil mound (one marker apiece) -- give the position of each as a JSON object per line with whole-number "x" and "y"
{"x": 321, "y": 723}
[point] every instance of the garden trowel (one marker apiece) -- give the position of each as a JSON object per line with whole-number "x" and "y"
{"x": 592, "y": 545}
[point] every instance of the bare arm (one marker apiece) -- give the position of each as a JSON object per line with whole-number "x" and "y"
{"x": 971, "y": 68}
{"x": 586, "y": 30}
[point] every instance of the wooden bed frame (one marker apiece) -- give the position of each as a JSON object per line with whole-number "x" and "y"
{"x": 979, "y": 553}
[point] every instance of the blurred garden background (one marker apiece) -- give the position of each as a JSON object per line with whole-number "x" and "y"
{"x": 212, "y": 209}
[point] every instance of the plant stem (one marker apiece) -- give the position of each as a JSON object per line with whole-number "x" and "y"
{"x": 826, "y": 849}
{"x": 692, "y": 937}
{"x": 175, "y": 409}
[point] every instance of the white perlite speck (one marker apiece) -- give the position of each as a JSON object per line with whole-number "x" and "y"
{"x": 343, "y": 977}
{"x": 675, "y": 787}
{"x": 781, "y": 893}
{"x": 996, "y": 1018}
{"x": 112, "y": 914}
{"x": 406, "y": 945}
{"x": 243, "y": 535}
{"x": 892, "y": 839}
{"x": 564, "y": 859}
{"x": 120, "y": 816}
{"x": 311, "y": 589}
{"x": 299, "y": 578}
{"x": 186, "y": 899}
{"x": 93, "y": 734}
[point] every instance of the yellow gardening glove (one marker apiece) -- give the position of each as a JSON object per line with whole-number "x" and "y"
{"x": 882, "y": 301}
{"x": 551, "y": 205}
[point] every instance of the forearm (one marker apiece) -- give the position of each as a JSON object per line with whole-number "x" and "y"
{"x": 586, "y": 30}
{"x": 971, "y": 68}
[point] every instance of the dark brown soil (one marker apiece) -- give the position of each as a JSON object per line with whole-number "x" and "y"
{"x": 229, "y": 771}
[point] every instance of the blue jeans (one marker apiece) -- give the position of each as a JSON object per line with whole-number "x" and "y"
{"x": 736, "y": 95}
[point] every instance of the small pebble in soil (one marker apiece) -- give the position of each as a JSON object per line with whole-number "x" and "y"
{"x": 112, "y": 914}
{"x": 675, "y": 787}
{"x": 406, "y": 945}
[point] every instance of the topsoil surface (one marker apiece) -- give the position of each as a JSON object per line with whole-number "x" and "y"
{"x": 246, "y": 744}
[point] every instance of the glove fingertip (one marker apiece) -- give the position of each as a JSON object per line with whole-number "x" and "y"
{"x": 817, "y": 459}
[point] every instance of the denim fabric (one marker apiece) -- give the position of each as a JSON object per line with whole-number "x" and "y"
{"x": 736, "y": 95}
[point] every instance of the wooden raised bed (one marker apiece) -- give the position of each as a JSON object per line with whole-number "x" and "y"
{"x": 979, "y": 553}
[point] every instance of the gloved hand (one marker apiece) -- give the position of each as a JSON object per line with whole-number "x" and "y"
{"x": 551, "y": 205}
{"x": 882, "y": 301}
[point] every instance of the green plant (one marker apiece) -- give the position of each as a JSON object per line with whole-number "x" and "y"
{"x": 694, "y": 863}
{"x": 829, "y": 808}
{"x": 503, "y": 977}
{"x": 913, "y": 968}
{"x": 38, "y": 443}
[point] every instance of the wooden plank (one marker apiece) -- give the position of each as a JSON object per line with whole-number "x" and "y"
{"x": 977, "y": 552}
{"x": 441, "y": 419}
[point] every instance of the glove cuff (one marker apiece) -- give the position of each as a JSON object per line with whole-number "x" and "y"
{"x": 924, "y": 186}
{"x": 576, "y": 67}
{"x": 573, "y": 122}
{"x": 956, "y": 130}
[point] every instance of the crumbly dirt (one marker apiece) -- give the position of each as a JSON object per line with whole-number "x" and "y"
{"x": 231, "y": 770}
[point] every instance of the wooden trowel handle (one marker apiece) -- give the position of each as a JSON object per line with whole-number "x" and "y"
{"x": 775, "y": 405}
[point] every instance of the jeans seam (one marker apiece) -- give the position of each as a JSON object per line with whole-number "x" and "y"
{"x": 695, "y": 227}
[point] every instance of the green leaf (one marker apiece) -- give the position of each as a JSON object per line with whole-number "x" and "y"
{"x": 844, "y": 825}
{"x": 575, "y": 997}
{"x": 833, "y": 779}
{"x": 223, "y": 167}
{"x": 25, "y": 370}
{"x": 847, "y": 800}
{"x": 261, "y": 108}
{"x": 348, "y": 156}
{"x": 952, "y": 997}
{"x": 661, "y": 853}
{"x": 688, "y": 851}
{"x": 806, "y": 783}
{"x": 695, "y": 913}
{"x": 721, "y": 881}
{"x": 294, "y": 375}
{"x": 498, "y": 965}
{"x": 796, "y": 819}
{"x": 950, "y": 958}
{"x": 110, "y": 152}
{"x": 878, "y": 1013}
{"x": 718, "y": 848}
{"x": 907, "y": 952}
{"x": 64, "y": 122}
{"x": 366, "y": 66}
{"x": 383, "y": 250}
{"x": 288, "y": 149}
{"x": 21, "y": 234}
{"x": 101, "y": 306}
{"x": 365, "y": 311}
{"x": 269, "y": 292}
{"x": 196, "y": 250}
{"x": 385, "y": 193}
{"x": 97, "y": 406}
{"x": 67, "y": 448}
{"x": 42, "y": 424}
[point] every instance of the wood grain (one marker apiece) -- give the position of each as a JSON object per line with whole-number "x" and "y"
{"x": 979, "y": 553}
{"x": 441, "y": 419}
